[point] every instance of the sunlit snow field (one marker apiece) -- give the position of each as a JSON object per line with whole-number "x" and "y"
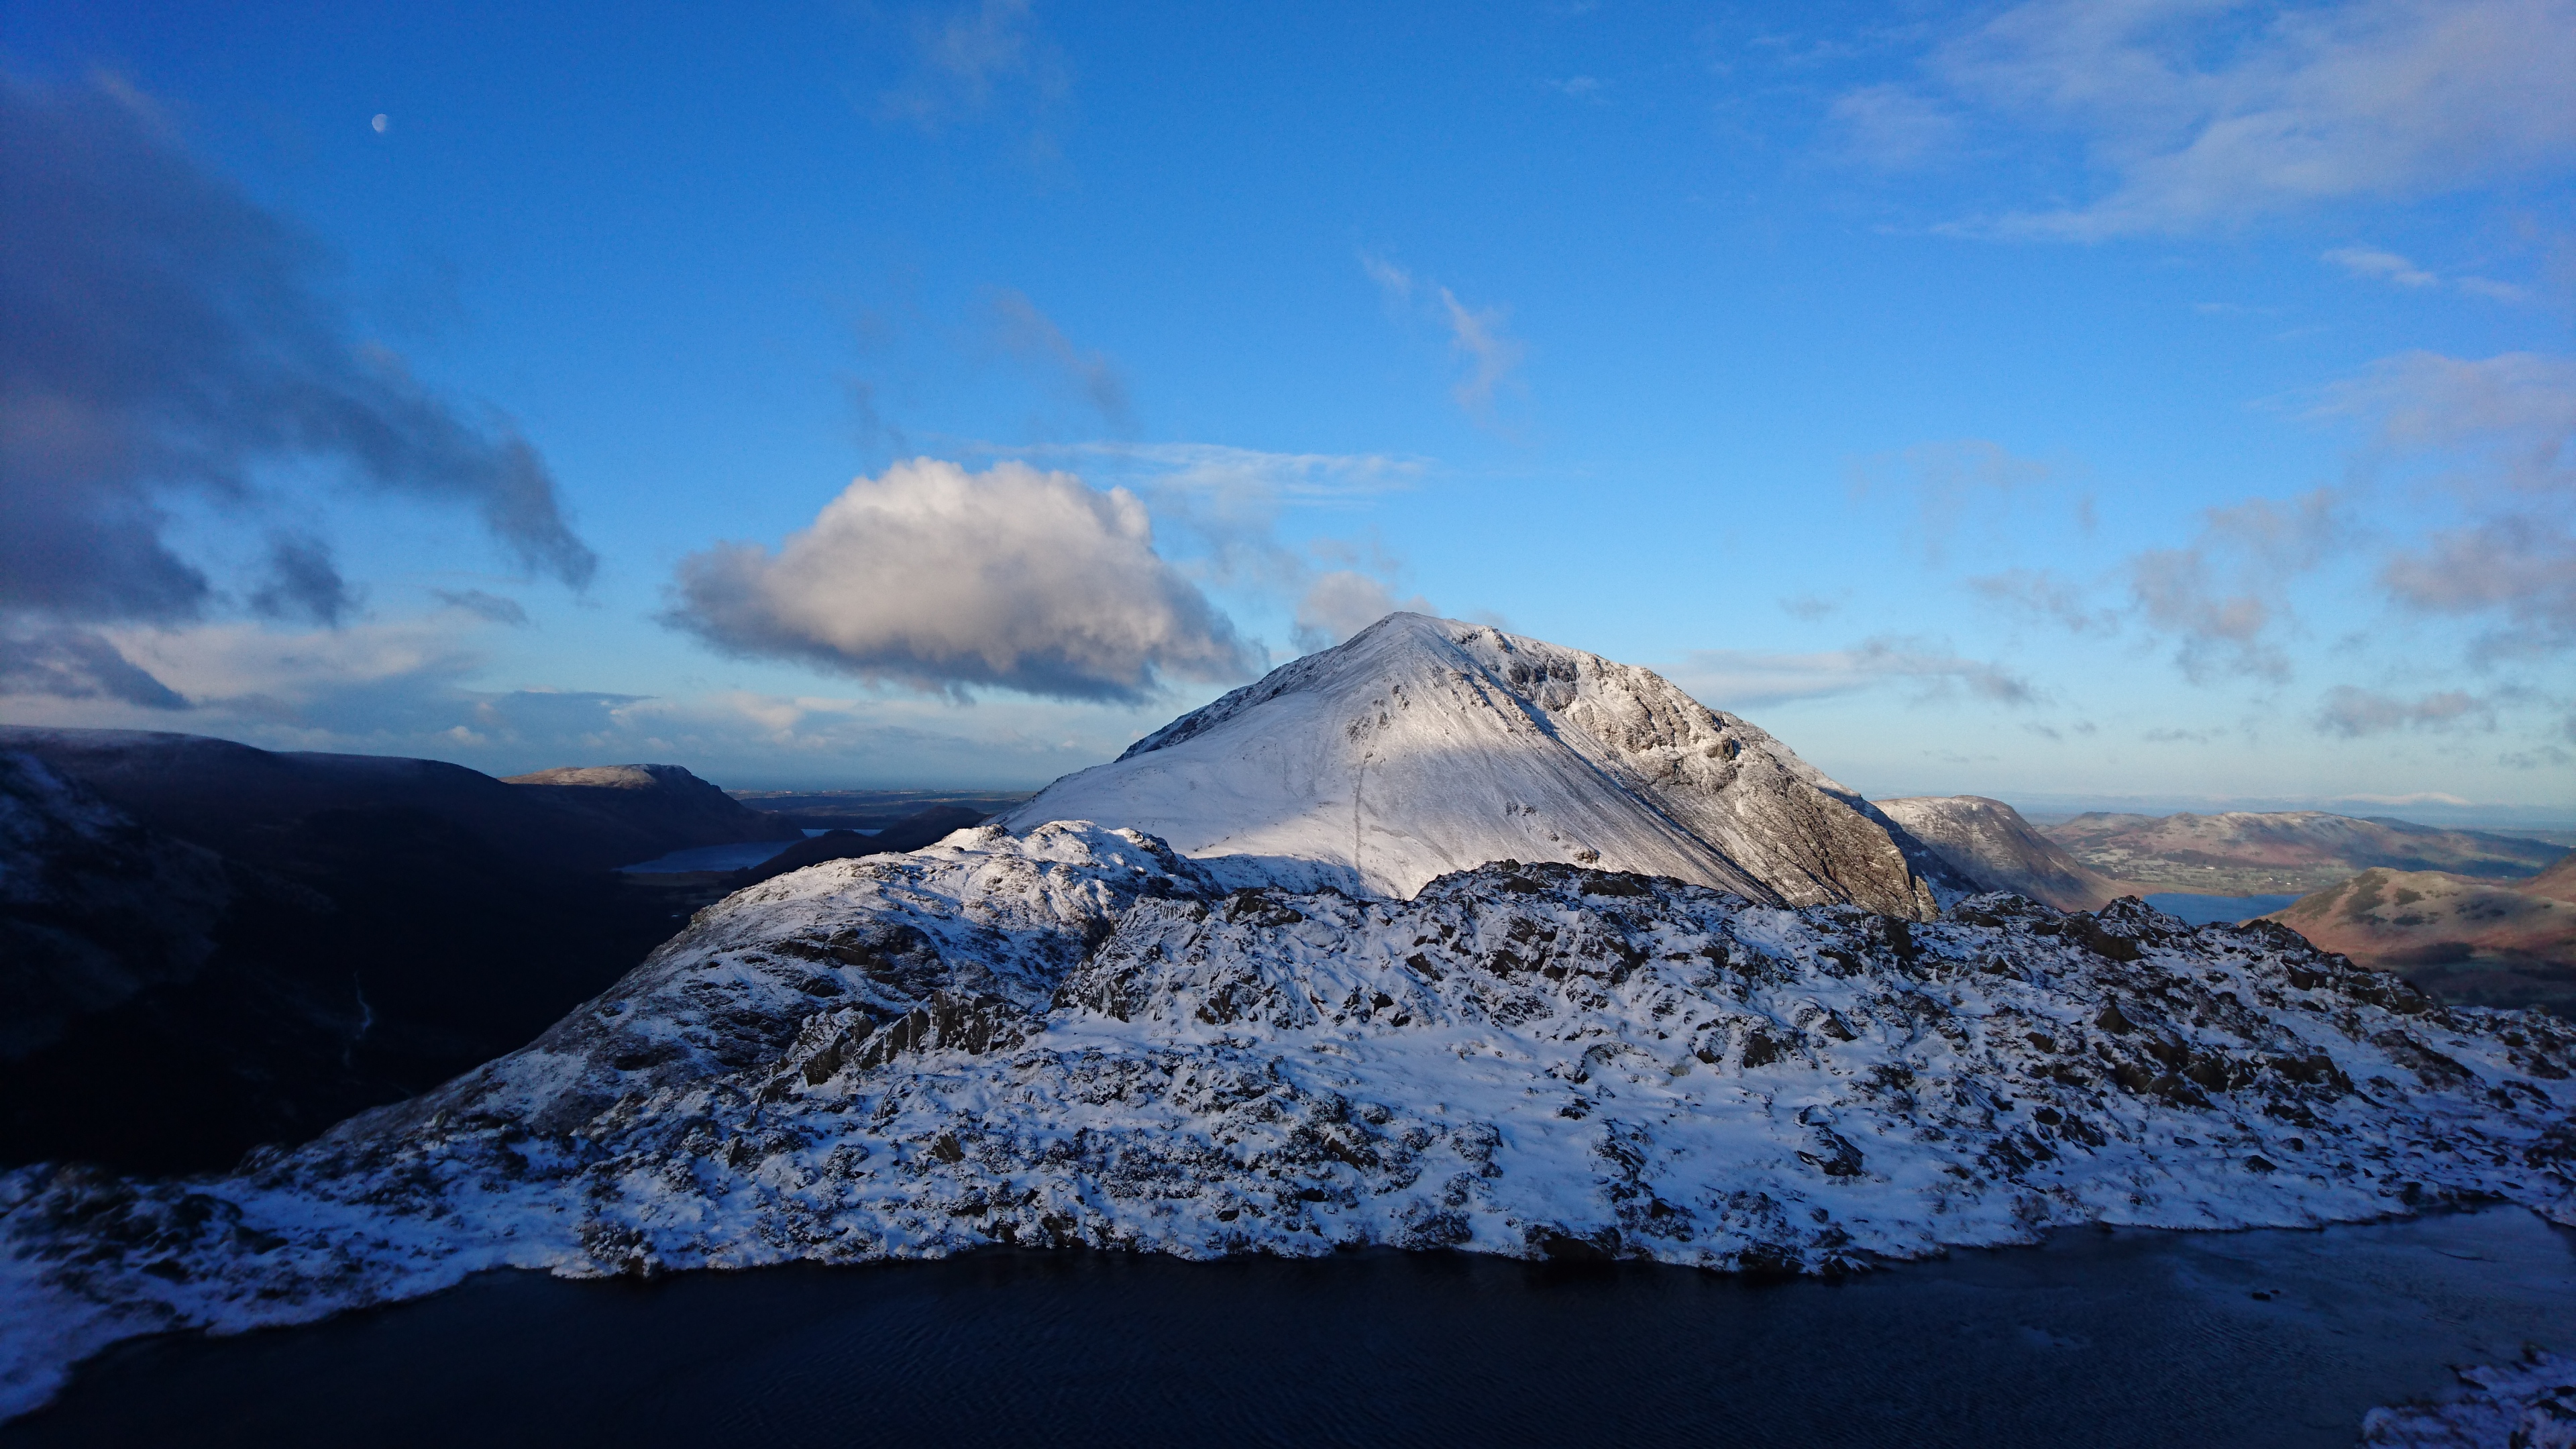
{"x": 2100, "y": 1337}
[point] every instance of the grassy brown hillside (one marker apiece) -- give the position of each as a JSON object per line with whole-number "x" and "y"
{"x": 2483, "y": 942}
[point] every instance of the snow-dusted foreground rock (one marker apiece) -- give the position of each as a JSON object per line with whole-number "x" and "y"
{"x": 1078, "y": 1037}
{"x": 2526, "y": 1405}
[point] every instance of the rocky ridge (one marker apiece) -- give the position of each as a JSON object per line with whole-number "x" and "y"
{"x": 1079, "y": 1035}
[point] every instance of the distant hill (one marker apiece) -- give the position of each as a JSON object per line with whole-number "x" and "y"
{"x": 1989, "y": 845}
{"x": 2245, "y": 853}
{"x": 2480, "y": 942}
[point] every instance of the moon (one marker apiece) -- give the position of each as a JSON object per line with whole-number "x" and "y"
{"x": 381, "y": 122}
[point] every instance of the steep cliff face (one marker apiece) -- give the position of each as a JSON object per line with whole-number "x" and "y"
{"x": 1077, "y": 1036}
{"x": 1988, "y": 844}
{"x": 1424, "y": 746}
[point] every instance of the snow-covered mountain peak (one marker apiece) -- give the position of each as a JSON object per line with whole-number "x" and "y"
{"x": 1424, "y": 746}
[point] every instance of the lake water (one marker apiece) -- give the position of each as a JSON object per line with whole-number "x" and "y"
{"x": 2108, "y": 1338}
{"x": 742, "y": 855}
{"x": 2216, "y": 910}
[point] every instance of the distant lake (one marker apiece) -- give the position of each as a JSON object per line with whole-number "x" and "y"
{"x": 2108, "y": 1338}
{"x": 741, "y": 856}
{"x": 2216, "y": 910}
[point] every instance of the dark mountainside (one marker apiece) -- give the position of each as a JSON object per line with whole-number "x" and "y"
{"x": 2246, "y": 853}
{"x": 216, "y": 946}
{"x": 912, "y": 832}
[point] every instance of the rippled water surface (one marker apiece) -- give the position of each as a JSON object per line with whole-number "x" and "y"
{"x": 2099, "y": 1338}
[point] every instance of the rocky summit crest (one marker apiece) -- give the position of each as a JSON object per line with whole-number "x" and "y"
{"x": 1424, "y": 746}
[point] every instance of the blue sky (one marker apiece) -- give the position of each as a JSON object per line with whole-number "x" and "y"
{"x": 2168, "y": 402}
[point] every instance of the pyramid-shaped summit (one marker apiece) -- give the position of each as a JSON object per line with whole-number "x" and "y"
{"x": 1424, "y": 746}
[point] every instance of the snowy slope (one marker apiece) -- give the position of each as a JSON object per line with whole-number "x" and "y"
{"x": 1076, "y": 1035}
{"x": 1424, "y": 746}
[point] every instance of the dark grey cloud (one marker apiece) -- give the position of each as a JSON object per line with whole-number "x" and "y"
{"x": 77, "y": 664}
{"x": 303, "y": 584}
{"x": 164, "y": 338}
{"x": 492, "y": 607}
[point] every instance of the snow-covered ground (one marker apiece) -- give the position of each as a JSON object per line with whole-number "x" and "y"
{"x": 1078, "y": 1035}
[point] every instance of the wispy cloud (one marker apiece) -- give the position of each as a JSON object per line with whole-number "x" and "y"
{"x": 1952, "y": 480}
{"x": 969, "y": 59}
{"x": 2351, "y": 712}
{"x": 2046, "y": 594}
{"x": 2219, "y": 596}
{"x": 2196, "y": 115}
{"x": 2387, "y": 266}
{"x": 1736, "y": 679}
{"x": 2499, "y": 435}
{"x": 1478, "y": 335}
{"x": 1026, "y": 333}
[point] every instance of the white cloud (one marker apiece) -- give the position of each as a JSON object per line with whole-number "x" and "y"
{"x": 2386, "y": 266}
{"x": 937, "y": 579}
{"x": 2197, "y": 114}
